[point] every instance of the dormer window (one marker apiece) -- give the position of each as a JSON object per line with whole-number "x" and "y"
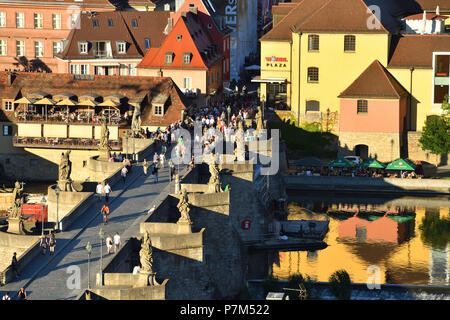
{"x": 134, "y": 23}
{"x": 83, "y": 47}
{"x": 147, "y": 43}
{"x": 169, "y": 58}
{"x": 179, "y": 37}
{"x": 187, "y": 58}
{"x": 121, "y": 47}
{"x": 110, "y": 23}
{"x": 95, "y": 23}
{"x": 158, "y": 110}
{"x": 209, "y": 26}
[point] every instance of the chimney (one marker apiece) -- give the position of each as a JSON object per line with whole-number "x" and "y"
{"x": 193, "y": 8}
{"x": 438, "y": 11}
{"x": 11, "y": 77}
{"x": 169, "y": 25}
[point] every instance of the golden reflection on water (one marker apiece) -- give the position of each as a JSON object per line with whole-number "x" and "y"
{"x": 399, "y": 252}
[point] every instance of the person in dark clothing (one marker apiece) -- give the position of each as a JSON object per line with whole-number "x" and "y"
{"x": 172, "y": 171}
{"x": 14, "y": 265}
{"x": 155, "y": 174}
{"x": 22, "y": 294}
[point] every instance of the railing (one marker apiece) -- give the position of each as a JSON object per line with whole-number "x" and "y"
{"x": 63, "y": 143}
{"x": 36, "y": 118}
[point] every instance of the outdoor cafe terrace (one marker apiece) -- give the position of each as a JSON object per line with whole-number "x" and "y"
{"x": 68, "y": 108}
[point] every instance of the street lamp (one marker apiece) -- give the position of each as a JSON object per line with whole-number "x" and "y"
{"x": 101, "y": 234}
{"x": 229, "y": 111}
{"x": 57, "y": 191}
{"x": 43, "y": 201}
{"x": 89, "y": 250}
{"x": 134, "y": 135}
{"x": 263, "y": 100}
{"x": 127, "y": 134}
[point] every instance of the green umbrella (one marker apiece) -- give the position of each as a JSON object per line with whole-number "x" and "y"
{"x": 372, "y": 163}
{"x": 341, "y": 163}
{"x": 401, "y": 164}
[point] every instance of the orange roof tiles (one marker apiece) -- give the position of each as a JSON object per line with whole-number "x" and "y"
{"x": 194, "y": 39}
{"x": 375, "y": 82}
{"x": 417, "y": 50}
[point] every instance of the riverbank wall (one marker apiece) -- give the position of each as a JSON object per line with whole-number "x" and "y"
{"x": 364, "y": 184}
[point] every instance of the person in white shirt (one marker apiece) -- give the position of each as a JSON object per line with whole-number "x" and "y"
{"x": 99, "y": 191}
{"x": 109, "y": 243}
{"x": 6, "y": 296}
{"x": 161, "y": 159}
{"x": 107, "y": 190}
{"x": 136, "y": 269}
{"x": 116, "y": 242}
{"x": 124, "y": 172}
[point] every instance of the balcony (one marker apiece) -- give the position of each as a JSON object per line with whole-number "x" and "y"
{"x": 63, "y": 143}
{"x": 101, "y": 54}
{"x": 62, "y": 118}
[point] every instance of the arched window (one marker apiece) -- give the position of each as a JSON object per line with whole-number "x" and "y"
{"x": 313, "y": 74}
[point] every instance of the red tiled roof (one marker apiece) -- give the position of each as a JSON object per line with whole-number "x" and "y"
{"x": 412, "y": 50}
{"x": 429, "y": 5}
{"x": 83, "y": 4}
{"x": 149, "y": 25}
{"x": 375, "y": 82}
{"x": 194, "y": 39}
{"x": 25, "y": 83}
{"x": 324, "y": 16}
{"x": 340, "y": 15}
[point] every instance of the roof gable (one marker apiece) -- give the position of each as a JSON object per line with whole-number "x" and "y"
{"x": 375, "y": 82}
{"x": 194, "y": 39}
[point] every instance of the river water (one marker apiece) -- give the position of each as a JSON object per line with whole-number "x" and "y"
{"x": 396, "y": 239}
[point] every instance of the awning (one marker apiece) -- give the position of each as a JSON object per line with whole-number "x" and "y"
{"x": 341, "y": 163}
{"x": 109, "y": 103}
{"x": 269, "y": 80}
{"x": 67, "y": 102}
{"x": 401, "y": 164}
{"x": 46, "y": 101}
{"x": 87, "y": 103}
{"x": 371, "y": 163}
{"x": 25, "y": 100}
{"x": 38, "y": 94}
{"x": 91, "y": 96}
{"x": 253, "y": 67}
{"x": 64, "y": 95}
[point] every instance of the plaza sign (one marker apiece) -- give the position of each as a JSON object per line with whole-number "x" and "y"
{"x": 276, "y": 62}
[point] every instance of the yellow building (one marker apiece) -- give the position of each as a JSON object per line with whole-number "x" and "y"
{"x": 318, "y": 49}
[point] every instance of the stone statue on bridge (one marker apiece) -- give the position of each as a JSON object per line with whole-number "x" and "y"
{"x": 259, "y": 121}
{"x": 136, "y": 121}
{"x": 15, "y": 219}
{"x": 65, "y": 167}
{"x": 16, "y": 210}
{"x": 104, "y": 148}
{"x": 214, "y": 181}
{"x": 146, "y": 259}
{"x": 184, "y": 208}
{"x": 65, "y": 183}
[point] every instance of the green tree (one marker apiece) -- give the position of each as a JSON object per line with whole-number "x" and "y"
{"x": 436, "y": 132}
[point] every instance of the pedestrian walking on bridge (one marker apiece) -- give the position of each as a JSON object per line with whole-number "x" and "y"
{"x": 145, "y": 166}
{"x": 44, "y": 244}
